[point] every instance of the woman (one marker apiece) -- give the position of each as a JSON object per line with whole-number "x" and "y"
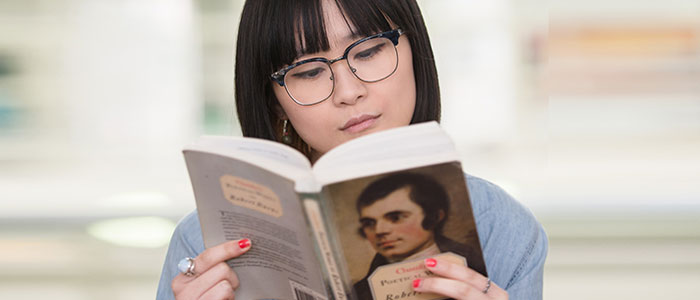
{"x": 315, "y": 74}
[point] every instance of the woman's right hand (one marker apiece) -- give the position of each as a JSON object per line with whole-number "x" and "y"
{"x": 213, "y": 278}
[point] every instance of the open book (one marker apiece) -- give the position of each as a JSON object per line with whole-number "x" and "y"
{"x": 355, "y": 225}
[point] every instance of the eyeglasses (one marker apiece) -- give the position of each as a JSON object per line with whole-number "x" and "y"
{"x": 370, "y": 59}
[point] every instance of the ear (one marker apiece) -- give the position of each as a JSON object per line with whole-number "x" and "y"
{"x": 441, "y": 216}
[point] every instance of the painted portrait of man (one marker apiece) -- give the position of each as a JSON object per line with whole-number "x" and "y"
{"x": 402, "y": 216}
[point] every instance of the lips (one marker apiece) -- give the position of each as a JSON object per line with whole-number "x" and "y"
{"x": 387, "y": 244}
{"x": 360, "y": 123}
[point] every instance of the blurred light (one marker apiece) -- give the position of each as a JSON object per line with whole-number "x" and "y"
{"x": 139, "y": 232}
{"x": 136, "y": 200}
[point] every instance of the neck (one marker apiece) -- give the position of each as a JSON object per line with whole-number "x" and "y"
{"x": 426, "y": 250}
{"x": 314, "y": 156}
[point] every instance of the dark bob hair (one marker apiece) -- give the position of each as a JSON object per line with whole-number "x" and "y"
{"x": 425, "y": 191}
{"x": 270, "y": 31}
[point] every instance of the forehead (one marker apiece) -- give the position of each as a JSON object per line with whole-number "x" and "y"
{"x": 398, "y": 200}
{"x": 338, "y": 30}
{"x": 305, "y": 27}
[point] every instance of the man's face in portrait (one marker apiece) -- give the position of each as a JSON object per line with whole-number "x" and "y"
{"x": 392, "y": 225}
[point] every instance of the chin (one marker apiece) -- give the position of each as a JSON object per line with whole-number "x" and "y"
{"x": 394, "y": 255}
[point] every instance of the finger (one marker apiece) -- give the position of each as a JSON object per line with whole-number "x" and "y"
{"x": 216, "y": 274}
{"x": 220, "y": 291}
{"x": 206, "y": 260}
{"x": 233, "y": 279}
{"x": 219, "y": 272}
{"x": 219, "y": 253}
{"x": 464, "y": 274}
{"x": 457, "y": 272}
{"x": 205, "y": 281}
{"x": 448, "y": 287}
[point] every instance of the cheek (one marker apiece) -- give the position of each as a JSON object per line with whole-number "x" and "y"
{"x": 305, "y": 120}
{"x": 399, "y": 90}
{"x": 315, "y": 125}
{"x": 282, "y": 97}
{"x": 369, "y": 234}
{"x": 404, "y": 73}
{"x": 413, "y": 229}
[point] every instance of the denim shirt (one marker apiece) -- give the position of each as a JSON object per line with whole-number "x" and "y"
{"x": 514, "y": 243}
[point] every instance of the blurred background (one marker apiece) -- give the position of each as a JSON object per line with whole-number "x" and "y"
{"x": 588, "y": 112}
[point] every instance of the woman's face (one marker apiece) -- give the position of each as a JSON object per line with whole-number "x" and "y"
{"x": 355, "y": 108}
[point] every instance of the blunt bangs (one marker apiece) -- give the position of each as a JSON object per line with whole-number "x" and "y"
{"x": 300, "y": 27}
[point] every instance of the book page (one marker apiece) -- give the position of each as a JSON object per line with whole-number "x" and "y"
{"x": 237, "y": 200}
{"x": 386, "y": 151}
{"x": 271, "y": 156}
{"x": 393, "y": 221}
{"x": 252, "y": 148}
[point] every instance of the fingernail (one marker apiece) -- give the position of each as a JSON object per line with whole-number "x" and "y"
{"x": 244, "y": 243}
{"x": 430, "y": 262}
{"x": 416, "y": 283}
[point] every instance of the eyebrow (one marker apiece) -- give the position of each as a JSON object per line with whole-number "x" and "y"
{"x": 366, "y": 219}
{"x": 352, "y": 37}
{"x": 393, "y": 212}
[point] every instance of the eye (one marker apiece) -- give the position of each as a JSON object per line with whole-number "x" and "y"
{"x": 395, "y": 216}
{"x": 369, "y": 53}
{"x": 310, "y": 74}
{"x": 367, "y": 223}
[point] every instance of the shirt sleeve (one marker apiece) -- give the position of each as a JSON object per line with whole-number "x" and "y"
{"x": 526, "y": 282}
{"x": 185, "y": 242}
{"x": 514, "y": 243}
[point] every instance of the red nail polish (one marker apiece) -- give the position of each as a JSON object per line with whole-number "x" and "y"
{"x": 430, "y": 262}
{"x": 244, "y": 243}
{"x": 416, "y": 283}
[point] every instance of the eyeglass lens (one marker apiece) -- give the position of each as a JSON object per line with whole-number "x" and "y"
{"x": 312, "y": 82}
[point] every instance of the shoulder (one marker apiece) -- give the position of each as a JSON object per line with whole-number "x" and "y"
{"x": 513, "y": 241}
{"x": 492, "y": 206}
{"x": 497, "y": 212}
{"x": 487, "y": 197}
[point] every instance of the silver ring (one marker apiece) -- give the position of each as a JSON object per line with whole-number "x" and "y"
{"x": 488, "y": 286}
{"x": 186, "y": 266}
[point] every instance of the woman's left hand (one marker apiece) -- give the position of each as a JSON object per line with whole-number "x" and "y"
{"x": 458, "y": 282}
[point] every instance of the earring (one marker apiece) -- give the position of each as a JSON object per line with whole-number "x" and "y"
{"x": 285, "y": 134}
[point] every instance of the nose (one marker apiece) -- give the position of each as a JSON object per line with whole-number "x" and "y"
{"x": 382, "y": 228}
{"x": 348, "y": 88}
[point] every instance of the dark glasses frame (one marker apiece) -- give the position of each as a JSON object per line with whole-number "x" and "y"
{"x": 392, "y": 35}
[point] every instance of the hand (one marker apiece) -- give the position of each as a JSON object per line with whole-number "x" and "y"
{"x": 458, "y": 282}
{"x": 213, "y": 278}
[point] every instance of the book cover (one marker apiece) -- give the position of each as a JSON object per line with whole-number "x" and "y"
{"x": 387, "y": 224}
{"x": 356, "y": 225}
